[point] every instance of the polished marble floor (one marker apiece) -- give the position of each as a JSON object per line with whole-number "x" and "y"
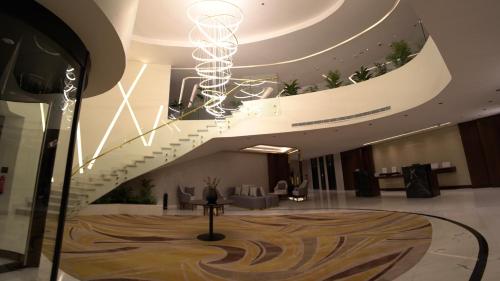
{"x": 453, "y": 250}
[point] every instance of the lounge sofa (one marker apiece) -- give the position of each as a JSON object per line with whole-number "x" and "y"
{"x": 251, "y": 197}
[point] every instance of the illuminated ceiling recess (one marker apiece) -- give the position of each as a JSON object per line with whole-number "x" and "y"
{"x": 261, "y": 148}
{"x": 214, "y": 36}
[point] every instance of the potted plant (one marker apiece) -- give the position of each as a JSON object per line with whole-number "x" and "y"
{"x": 381, "y": 69}
{"x": 362, "y": 74}
{"x": 333, "y": 79}
{"x": 212, "y": 189}
{"x": 292, "y": 88}
{"x": 177, "y": 106}
{"x": 130, "y": 195}
{"x": 400, "y": 53}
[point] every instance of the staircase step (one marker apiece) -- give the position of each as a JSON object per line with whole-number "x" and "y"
{"x": 55, "y": 206}
{"x": 71, "y": 194}
{"x": 184, "y": 140}
{"x": 175, "y": 144}
{"x": 149, "y": 157}
{"x": 57, "y": 200}
{"x": 193, "y": 135}
{"x": 27, "y": 212}
{"x": 166, "y": 148}
{"x": 202, "y": 131}
{"x": 157, "y": 152}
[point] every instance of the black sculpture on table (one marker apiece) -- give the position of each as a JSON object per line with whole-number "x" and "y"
{"x": 211, "y": 204}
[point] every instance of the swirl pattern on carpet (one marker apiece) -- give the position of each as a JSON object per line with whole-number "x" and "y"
{"x": 364, "y": 245}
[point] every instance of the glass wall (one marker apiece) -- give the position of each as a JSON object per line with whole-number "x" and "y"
{"x": 40, "y": 85}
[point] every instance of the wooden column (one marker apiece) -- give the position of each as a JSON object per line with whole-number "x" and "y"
{"x": 359, "y": 158}
{"x": 481, "y": 141}
{"x": 278, "y": 169}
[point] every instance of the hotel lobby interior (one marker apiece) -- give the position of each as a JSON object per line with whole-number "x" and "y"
{"x": 249, "y": 140}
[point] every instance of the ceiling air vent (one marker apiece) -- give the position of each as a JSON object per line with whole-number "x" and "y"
{"x": 342, "y": 118}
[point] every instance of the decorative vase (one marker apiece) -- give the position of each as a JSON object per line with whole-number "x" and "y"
{"x": 211, "y": 195}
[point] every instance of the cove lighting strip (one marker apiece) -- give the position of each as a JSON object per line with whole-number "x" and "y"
{"x": 393, "y": 8}
{"x": 409, "y": 133}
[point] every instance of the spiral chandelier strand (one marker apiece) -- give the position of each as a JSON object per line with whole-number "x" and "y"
{"x": 214, "y": 35}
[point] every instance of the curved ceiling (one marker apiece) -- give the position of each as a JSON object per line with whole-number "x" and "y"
{"x": 106, "y": 50}
{"x": 164, "y": 22}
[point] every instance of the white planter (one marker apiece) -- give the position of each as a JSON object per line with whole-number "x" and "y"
{"x": 122, "y": 209}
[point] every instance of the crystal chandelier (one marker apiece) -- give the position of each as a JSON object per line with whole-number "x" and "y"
{"x": 214, "y": 36}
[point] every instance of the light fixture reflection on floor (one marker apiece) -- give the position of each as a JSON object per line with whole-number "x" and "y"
{"x": 269, "y": 149}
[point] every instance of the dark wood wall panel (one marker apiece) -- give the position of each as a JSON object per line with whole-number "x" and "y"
{"x": 359, "y": 158}
{"x": 278, "y": 169}
{"x": 489, "y": 131}
{"x": 481, "y": 141}
{"x": 476, "y": 162}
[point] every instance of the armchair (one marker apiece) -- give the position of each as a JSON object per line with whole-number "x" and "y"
{"x": 281, "y": 188}
{"x": 185, "y": 196}
{"x": 300, "y": 192}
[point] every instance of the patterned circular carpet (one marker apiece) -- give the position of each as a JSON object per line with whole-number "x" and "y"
{"x": 322, "y": 246}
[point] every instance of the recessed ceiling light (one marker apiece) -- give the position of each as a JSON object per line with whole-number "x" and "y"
{"x": 268, "y": 149}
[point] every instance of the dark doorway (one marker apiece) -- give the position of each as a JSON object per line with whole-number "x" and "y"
{"x": 314, "y": 173}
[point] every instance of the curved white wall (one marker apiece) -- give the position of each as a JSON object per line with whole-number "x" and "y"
{"x": 122, "y": 14}
{"x": 417, "y": 82}
{"x": 100, "y": 36}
